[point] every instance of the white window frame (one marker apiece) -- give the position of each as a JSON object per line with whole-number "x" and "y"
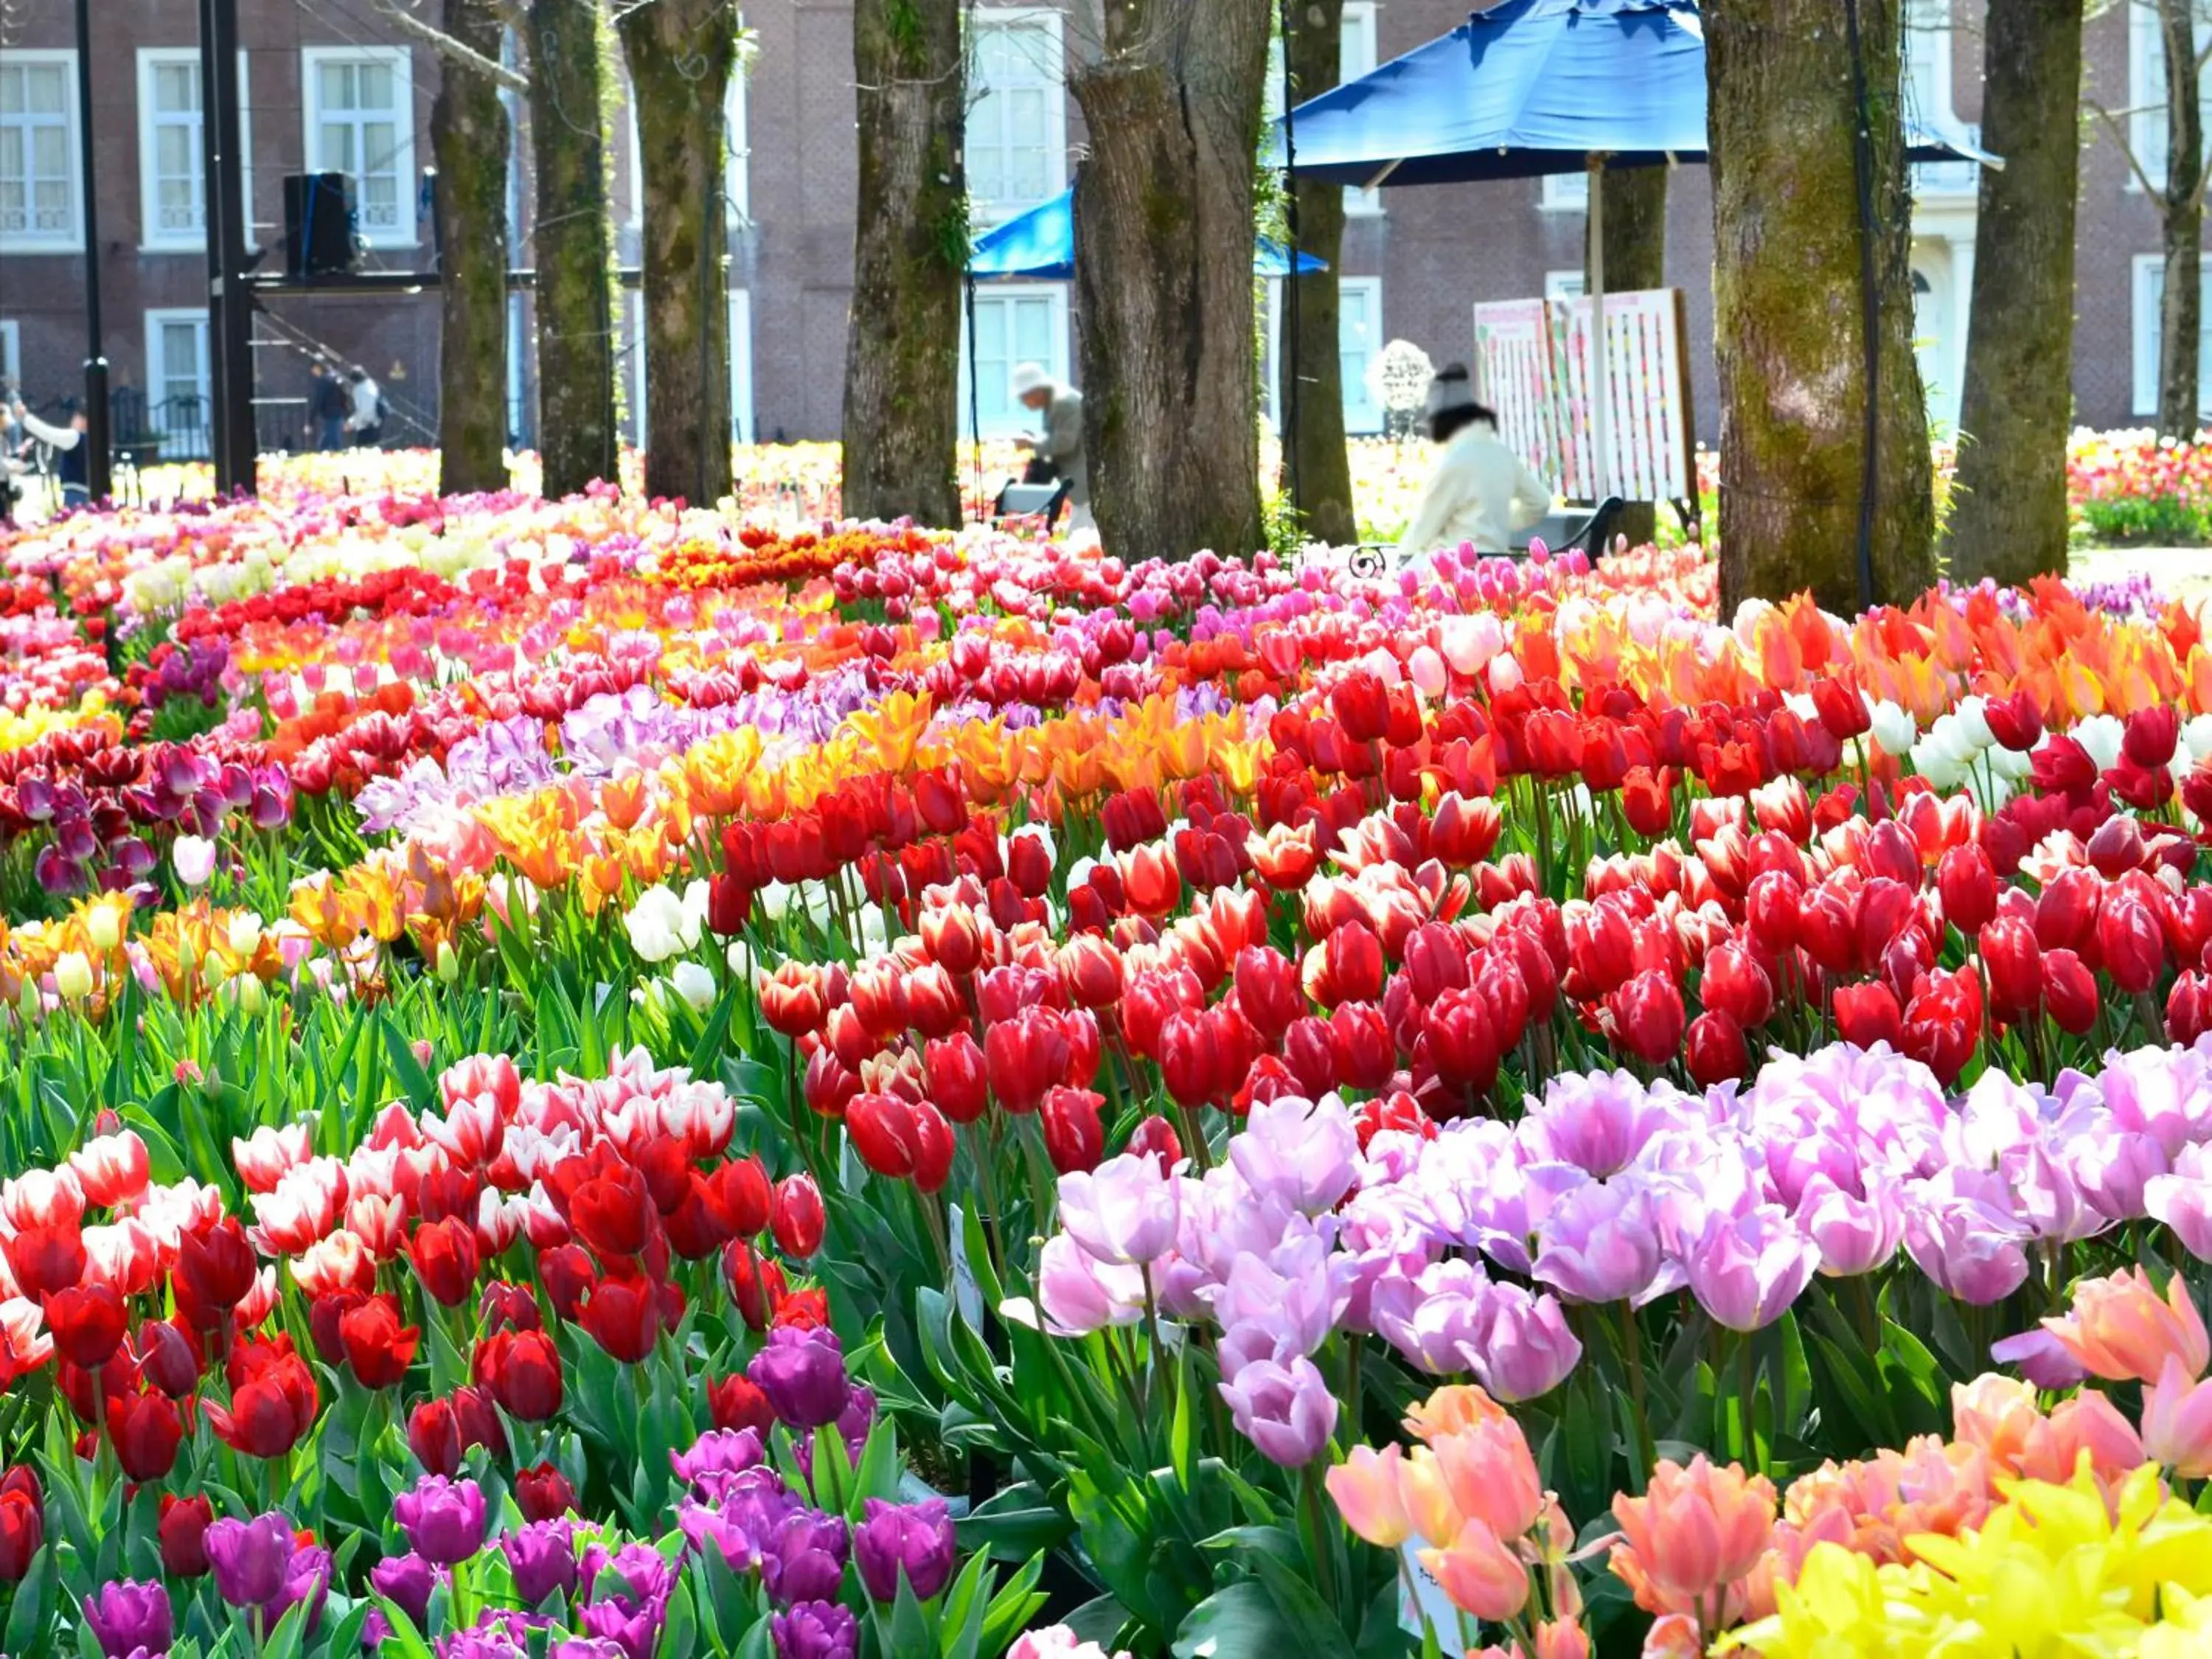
{"x": 152, "y": 238}
{"x": 401, "y": 61}
{"x": 741, "y": 367}
{"x": 2148, "y": 290}
{"x": 1565, "y": 192}
{"x": 11, "y": 353}
{"x": 1363, "y": 417}
{"x": 1054, "y": 74}
{"x": 1359, "y": 26}
{"x": 2147, "y": 91}
{"x": 70, "y": 240}
{"x": 157, "y": 375}
{"x": 1563, "y": 285}
{"x": 1928, "y": 22}
{"x": 1056, "y": 365}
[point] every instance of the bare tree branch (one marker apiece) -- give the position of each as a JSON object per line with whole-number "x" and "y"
{"x": 2135, "y": 164}
{"x": 446, "y": 47}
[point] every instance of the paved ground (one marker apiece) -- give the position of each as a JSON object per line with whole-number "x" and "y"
{"x": 2185, "y": 571}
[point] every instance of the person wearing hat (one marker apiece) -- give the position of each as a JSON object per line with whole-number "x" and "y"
{"x": 1479, "y": 492}
{"x": 1062, "y": 444}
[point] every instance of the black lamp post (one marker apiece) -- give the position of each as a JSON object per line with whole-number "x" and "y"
{"x": 95, "y": 439}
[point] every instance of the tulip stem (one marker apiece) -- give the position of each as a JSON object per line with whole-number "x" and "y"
{"x": 1632, "y": 1346}
{"x": 1317, "y": 1535}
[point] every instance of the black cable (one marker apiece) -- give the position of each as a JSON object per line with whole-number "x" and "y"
{"x": 1869, "y": 305}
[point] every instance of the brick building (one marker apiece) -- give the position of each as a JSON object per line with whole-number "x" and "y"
{"x": 329, "y": 84}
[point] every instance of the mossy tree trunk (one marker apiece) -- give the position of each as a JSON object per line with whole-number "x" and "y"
{"x": 1789, "y": 311}
{"x": 681, "y": 54}
{"x": 1635, "y": 230}
{"x": 2009, "y": 511}
{"x": 902, "y": 420}
{"x": 1315, "y": 457}
{"x": 572, "y": 240}
{"x": 1164, "y": 227}
{"x": 468, "y": 134}
{"x": 2180, "y": 321}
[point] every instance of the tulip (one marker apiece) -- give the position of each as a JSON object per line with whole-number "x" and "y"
{"x": 1074, "y": 1134}
{"x": 1853, "y": 1235}
{"x": 1695, "y": 1529}
{"x": 146, "y": 1430}
{"x": 2177, "y": 1420}
{"x": 1126, "y": 1211}
{"x": 2119, "y": 1329}
{"x": 816, "y": 1629}
{"x": 1867, "y": 1015}
{"x": 1714, "y": 1050}
{"x": 443, "y": 1519}
{"x": 249, "y": 1559}
{"x": 88, "y": 1322}
{"x": 803, "y": 1374}
{"x": 1286, "y": 1411}
{"x": 377, "y": 1347}
{"x": 2069, "y": 991}
{"x": 1524, "y": 1346}
{"x": 542, "y": 1557}
{"x": 523, "y": 1370}
{"x": 543, "y": 1493}
{"x": 127, "y": 1616}
{"x": 1647, "y": 1016}
{"x": 1600, "y": 1243}
{"x": 1960, "y": 1230}
{"x": 1746, "y": 1270}
{"x": 804, "y": 1559}
{"x": 1481, "y": 1575}
{"x": 796, "y": 1216}
{"x": 623, "y": 1317}
{"x": 182, "y": 1532}
{"x": 408, "y": 1581}
{"x": 1490, "y": 1475}
{"x": 913, "y": 1539}
{"x": 1365, "y": 1486}
{"x": 445, "y": 1257}
{"x": 2013, "y": 962}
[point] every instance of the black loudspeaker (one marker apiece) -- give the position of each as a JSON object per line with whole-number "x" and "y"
{"x": 319, "y": 223}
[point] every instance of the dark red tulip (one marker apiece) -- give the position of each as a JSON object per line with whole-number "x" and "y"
{"x": 568, "y": 1275}
{"x": 46, "y": 1260}
{"x": 2069, "y": 992}
{"x": 445, "y": 1257}
{"x": 183, "y": 1532}
{"x": 735, "y": 1402}
{"x": 796, "y": 1217}
{"x": 522, "y": 1369}
{"x": 1648, "y": 1016}
{"x": 1714, "y": 1049}
{"x": 623, "y": 1317}
{"x": 145, "y": 1429}
{"x": 543, "y": 1493}
{"x": 215, "y": 1269}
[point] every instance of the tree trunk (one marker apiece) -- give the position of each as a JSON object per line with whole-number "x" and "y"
{"x": 469, "y": 133}
{"x": 1310, "y": 401}
{"x": 1790, "y": 309}
{"x": 681, "y": 53}
{"x": 1635, "y": 230}
{"x": 901, "y": 423}
{"x": 2179, "y": 313}
{"x": 573, "y": 243}
{"x": 1163, "y": 233}
{"x": 2009, "y": 511}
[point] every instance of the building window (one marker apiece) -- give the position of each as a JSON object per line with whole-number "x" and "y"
{"x": 361, "y": 122}
{"x": 1017, "y": 112}
{"x": 172, "y": 154}
{"x": 1566, "y": 193}
{"x": 2147, "y": 90}
{"x": 1563, "y": 285}
{"x": 1359, "y": 339}
{"x": 2150, "y": 295}
{"x": 11, "y": 356}
{"x": 39, "y": 152}
{"x": 177, "y": 391}
{"x": 1016, "y": 323}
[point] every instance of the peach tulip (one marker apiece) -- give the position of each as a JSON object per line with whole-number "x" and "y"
{"x": 2122, "y": 1329}
{"x": 1480, "y": 1574}
{"x": 1366, "y": 1488}
{"x": 1694, "y": 1531}
{"x": 2177, "y": 1421}
{"x": 1491, "y": 1476}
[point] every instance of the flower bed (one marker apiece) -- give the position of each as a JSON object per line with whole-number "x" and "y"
{"x": 596, "y": 1079}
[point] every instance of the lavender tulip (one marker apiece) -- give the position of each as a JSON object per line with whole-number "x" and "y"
{"x": 1124, "y": 1212}
{"x": 1079, "y": 1294}
{"x": 542, "y": 1557}
{"x": 2183, "y": 1200}
{"x": 717, "y": 1452}
{"x": 129, "y": 1614}
{"x": 249, "y": 1557}
{"x": 1597, "y": 1122}
{"x": 1434, "y": 1319}
{"x": 803, "y": 1374}
{"x": 407, "y": 1581}
{"x": 1746, "y": 1270}
{"x": 1286, "y": 1411}
{"x": 2040, "y": 1359}
{"x": 1960, "y": 1230}
{"x": 1601, "y": 1243}
{"x": 817, "y": 1630}
{"x": 443, "y": 1519}
{"x": 1300, "y": 1152}
{"x": 915, "y": 1539}
{"x": 1525, "y": 1348}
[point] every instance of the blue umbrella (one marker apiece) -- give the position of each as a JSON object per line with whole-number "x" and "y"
{"x": 1532, "y": 86}
{"x": 1039, "y": 245}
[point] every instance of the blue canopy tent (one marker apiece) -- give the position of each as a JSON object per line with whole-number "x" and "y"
{"x": 1040, "y": 245}
{"x": 1533, "y": 86}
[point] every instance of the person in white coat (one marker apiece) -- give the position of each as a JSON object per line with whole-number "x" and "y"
{"x": 1479, "y": 492}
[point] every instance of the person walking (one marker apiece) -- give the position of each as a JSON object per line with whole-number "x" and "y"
{"x": 1060, "y": 444}
{"x": 367, "y": 421}
{"x": 71, "y": 453}
{"x": 328, "y": 406}
{"x": 1480, "y": 491}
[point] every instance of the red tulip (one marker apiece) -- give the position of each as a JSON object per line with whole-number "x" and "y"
{"x": 2151, "y": 735}
{"x": 805, "y": 1310}
{"x": 739, "y": 1193}
{"x": 568, "y": 1276}
{"x": 1024, "y": 1056}
{"x": 183, "y": 1532}
{"x": 1840, "y": 707}
{"x": 1868, "y": 1014}
{"x": 1074, "y": 1138}
{"x": 1029, "y": 865}
{"x": 88, "y": 1322}
{"x": 1736, "y": 985}
{"x": 47, "y": 1259}
{"x": 445, "y": 1257}
{"x": 503, "y": 1306}
{"x": 1967, "y": 884}
{"x": 797, "y": 1217}
{"x": 2014, "y": 721}
{"x": 883, "y": 1132}
{"x": 2014, "y": 963}
{"x": 265, "y": 1417}
{"x": 1771, "y": 905}
{"x": 1943, "y": 1023}
{"x": 168, "y": 1359}
{"x": 1648, "y": 1016}
{"x": 522, "y": 1369}
{"x": 2189, "y": 1009}
{"x": 933, "y": 1148}
{"x": 1462, "y": 1044}
{"x": 2069, "y": 991}
{"x": 952, "y": 938}
{"x": 623, "y": 1317}
{"x": 377, "y": 1347}
{"x": 145, "y": 1430}
{"x": 1714, "y": 1050}
{"x": 2066, "y": 910}
{"x": 215, "y": 1271}
{"x": 755, "y": 1284}
{"x": 1360, "y": 1046}
{"x": 1156, "y": 1139}
{"x": 734, "y": 1402}
{"x": 2129, "y": 942}
{"x": 1554, "y": 744}
{"x": 954, "y": 1067}
{"x": 1351, "y": 967}
{"x": 1361, "y": 704}
{"x": 791, "y": 1000}
{"x": 434, "y": 1435}
{"x": 543, "y": 1493}
{"x": 1464, "y": 832}
{"x": 1647, "y": 799}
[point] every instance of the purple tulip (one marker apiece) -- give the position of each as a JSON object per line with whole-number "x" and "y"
{"x": 803, "y": 1374}
{"x": 635, "y": 1573}
{"x": 1601, "y": 1243}
{"x": 2183, "y": 1200}
{"x": 407, "y": 1581}
{"x": 306, "y": 1579}
{"x": 1434, "y": 1319}
{"x": 857, "y": 1417}
{"x": 1525, "y": 1348}
{"x": 2113, "y": 1169}
{"x": 1746, "y": 1270}
{"x": 2040, "y": 1359}
{"x": 913, "y": 1538}
{"x": 248, "y": 1558}
{"x": 817, "y": 1630}
{"x": 1125, "y": 1211}
{"x": 717, "y": 1452}
{"x": 129, "y": 1614}
{"x": 629, "y": 1629}
{"x": 586, "y": 1647}
{"x": 804, "y": 1559}
{"x": 1301, "y": 1153}
{"x": 1854, "y": 1234}
{"x": 1598, "y": 1121}
{"x": 542, "y": 1557}
{"x": 1286, "y": 1411}
{"x": 443, "y": 1519}
{"x": 1960, "y": 1230}
{"x": 739, "y": 1549}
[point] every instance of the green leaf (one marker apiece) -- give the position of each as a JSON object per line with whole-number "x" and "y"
{"x": 32, "y": 1614}
{"x": 414, "y": 1081}
{"x": 1245, "y": 1621}
{"x": 912, "y": 1637}
{"x": 680, "y": 1635}
{"x": 283, "y": 1641}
